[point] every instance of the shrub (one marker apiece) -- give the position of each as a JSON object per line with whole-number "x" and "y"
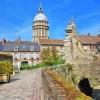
{"x": 74, "y": 76}
{"x": 69, "y": 67}
{"x": 27, "y": 67}
{"x": 40, "y": 65}
{"x": 6, "y": 67}
{"x": 95, "y": 58}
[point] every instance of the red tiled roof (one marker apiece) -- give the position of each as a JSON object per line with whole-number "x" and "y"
{"x": 89, "y": 39}
{"x": 84, "y": 39}
{"x": 51, "y": 42}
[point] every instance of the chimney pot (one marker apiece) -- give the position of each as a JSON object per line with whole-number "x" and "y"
{"x": 88, "y": 34}
{"x": 19, "y": 40}
{"x": 3, "y": 41}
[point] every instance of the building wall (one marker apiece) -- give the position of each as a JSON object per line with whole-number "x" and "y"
{"x": 19, "y": 57}
{"x": 90, "y": 49}
{"x": 60, "y": 48}
{"x": 40, "y": 30}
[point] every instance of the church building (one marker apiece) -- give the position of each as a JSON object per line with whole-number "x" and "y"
{"x": 30, "y": 51}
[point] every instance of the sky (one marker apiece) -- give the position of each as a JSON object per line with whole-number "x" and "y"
{"x": 16, "y": 17}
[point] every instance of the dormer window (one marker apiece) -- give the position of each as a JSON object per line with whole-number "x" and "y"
{"x": 31, "y": 48}
{"x": 15, "y": 48}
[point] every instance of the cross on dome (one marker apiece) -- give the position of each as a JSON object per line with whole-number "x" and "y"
{"x": 40, "y": 8}
{"x": 72, "y": 18}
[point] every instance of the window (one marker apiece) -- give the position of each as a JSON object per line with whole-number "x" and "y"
{"x": 24, "y": 55}
{"x": 16, "y": 64}
{"x": 92, "y": 47}
{"x": 31, "y": 48}
{"x": 45, "y": 47}
{"x": 38, "y": 55}
{"x": 15, "y": 55}
{"x": 15, "y": 48}
{"x": 34, "y": 55}
{"x": 85, "y": 47}
{"x": 31, "y": 55}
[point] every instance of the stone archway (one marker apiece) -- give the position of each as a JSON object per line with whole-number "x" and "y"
{"x": 85, "y": 87}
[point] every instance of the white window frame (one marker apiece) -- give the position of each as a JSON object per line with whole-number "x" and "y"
{"x": 31, "y": 48}
{"x": 85, "y": 47}
{"x": 25, "y": 55}
{"x": 16, "y": 55}
{"x": 46, "y": 47}
{"x": 15, "y": 48}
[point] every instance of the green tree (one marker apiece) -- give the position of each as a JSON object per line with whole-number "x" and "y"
{"x": 46, "y": 56}
{"x": 50, "y": 56}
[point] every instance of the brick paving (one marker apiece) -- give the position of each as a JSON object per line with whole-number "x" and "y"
{"x": 25, "y": 86}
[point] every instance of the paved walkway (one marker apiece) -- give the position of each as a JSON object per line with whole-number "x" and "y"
{"x": 25, "y": 86}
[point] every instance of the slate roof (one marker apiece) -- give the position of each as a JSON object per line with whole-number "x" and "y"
{"x": 1, "y": 46}
{"x": 22, "y": 47}
{"x": 51, "y": 42}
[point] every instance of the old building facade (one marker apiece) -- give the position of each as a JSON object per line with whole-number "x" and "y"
{"x": 24, "y": 52}
{"x": 30, "y": 51}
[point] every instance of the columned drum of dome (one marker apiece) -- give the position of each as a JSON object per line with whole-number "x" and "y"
{"x": 40, "y": 26}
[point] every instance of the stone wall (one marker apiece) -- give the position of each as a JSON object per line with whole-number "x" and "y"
{"x": 79, "y": 71}
{"x": 56, "y": 88}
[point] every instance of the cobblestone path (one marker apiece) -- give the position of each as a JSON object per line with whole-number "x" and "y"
{"x": 25, "y": 86}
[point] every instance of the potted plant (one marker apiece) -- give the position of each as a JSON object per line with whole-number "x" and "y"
{"x": 6, "y": 68}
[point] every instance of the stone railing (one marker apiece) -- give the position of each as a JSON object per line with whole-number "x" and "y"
{"x": 56, "y": 88}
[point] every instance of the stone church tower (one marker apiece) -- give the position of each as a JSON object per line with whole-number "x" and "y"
{"x": 40, "y": 26}
{"x": 72, "y": 44}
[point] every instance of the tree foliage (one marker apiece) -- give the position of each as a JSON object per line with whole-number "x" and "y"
{"x": 50, "y": 56}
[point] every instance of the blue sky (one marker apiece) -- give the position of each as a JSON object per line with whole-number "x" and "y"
{"x": 16, "y": 17}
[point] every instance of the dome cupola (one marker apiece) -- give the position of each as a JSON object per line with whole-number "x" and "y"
{"x": 40, "y": 26}
{"x": 40, "y": 16}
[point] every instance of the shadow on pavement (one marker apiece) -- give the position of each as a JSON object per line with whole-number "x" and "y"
{"x": 14, "y": 79}
{"x": 11, "y": 80}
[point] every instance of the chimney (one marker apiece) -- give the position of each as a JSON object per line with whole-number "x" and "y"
{"x": 19, "y": 39}
{"x": 3, "y": 41}
{"x": 98, "y": 35}
{"x": 88, "y": 34}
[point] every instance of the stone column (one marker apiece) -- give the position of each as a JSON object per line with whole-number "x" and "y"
{"x": 68, "y": 52}
{"x": 44, "y": 32}
{"x": 41, "y": 31}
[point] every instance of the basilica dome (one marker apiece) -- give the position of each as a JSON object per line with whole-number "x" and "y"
{"x": 40, "y": 17}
